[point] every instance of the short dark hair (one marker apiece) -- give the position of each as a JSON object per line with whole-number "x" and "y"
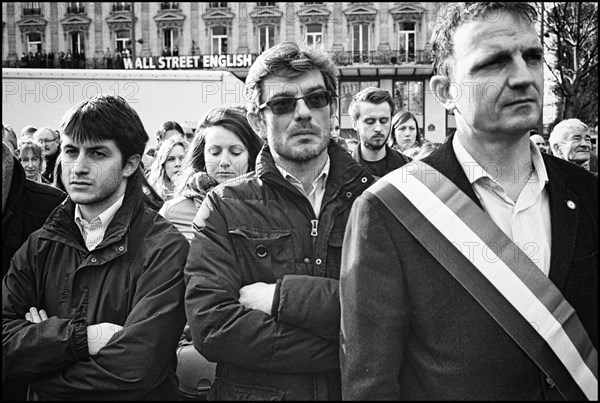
{"x": 453, "y": 15}
{"x": 289, "y": 59}
{"x": 106, "y": 117}
{"x": 372, "y": 95}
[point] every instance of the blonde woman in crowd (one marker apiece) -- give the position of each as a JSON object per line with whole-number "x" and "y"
{"x": 225, "y": 147}
{"x": 30, "y": 155}
{"x": 166, "y": 165}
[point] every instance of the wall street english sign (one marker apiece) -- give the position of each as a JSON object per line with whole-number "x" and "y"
{"x": 188, "y": 62}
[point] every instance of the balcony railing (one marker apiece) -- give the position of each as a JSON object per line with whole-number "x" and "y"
{"x": 375, "y": 57}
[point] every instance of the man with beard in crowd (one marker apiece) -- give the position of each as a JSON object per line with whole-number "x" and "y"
{"x": 49, "y": 140}
{"x": 371, "y": 111}
{"x": 262, "y": 273}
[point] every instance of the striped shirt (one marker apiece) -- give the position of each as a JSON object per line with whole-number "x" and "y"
{"x": 525, "y": 221}
{"x": 93, "y": 232}
{"x": 315, "y": 196}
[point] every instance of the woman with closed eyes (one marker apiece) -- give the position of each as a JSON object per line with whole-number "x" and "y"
{"x": 224, "y": 148}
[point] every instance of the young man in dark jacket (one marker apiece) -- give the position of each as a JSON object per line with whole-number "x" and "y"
{"x": 371, "y": 111}
{"x": 92, "y": 305}
{"x": 263, "y": 269}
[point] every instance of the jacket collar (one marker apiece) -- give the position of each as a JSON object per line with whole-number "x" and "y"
{"x": 393, "y": 159}
{"x": 444, "y": 160}
{"x": 62, "y": 221}
{"x": 343, "y": 169}
{"x": 564, "y": 222}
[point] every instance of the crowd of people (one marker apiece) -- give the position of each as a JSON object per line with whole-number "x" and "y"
{"x": 74, "y": 59}
{"x": 305, "y": 265}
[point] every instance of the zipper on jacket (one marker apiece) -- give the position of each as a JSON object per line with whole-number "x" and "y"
{"x": 315, "y": 225}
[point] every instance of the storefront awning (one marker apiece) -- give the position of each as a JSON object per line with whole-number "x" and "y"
{"x": 408, "y": 70}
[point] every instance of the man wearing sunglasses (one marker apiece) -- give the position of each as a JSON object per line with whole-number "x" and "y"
{"x": 371, "y": 111}
{"x": 262, "y": 273}
{"x": 49, "y": 140}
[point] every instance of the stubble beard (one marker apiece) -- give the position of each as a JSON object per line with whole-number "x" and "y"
{"x": 301, "y": 153}
{"x": 373, "y": 146}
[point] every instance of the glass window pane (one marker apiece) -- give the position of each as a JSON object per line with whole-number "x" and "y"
{"x": 349, "y": 88}
{"x": 356, "y": 38}
{"x": 365, "y": 37}
{"x": 408, "y": 96}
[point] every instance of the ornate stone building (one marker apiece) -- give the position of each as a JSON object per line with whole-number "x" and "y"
{"x": 380, "y": 44}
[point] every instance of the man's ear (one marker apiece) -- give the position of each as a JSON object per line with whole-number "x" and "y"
{"x": 443, "y": 90}
{"x": 132, "y": 165}
{"x": 333, "y": 107}
{"x": 257, "y": 122}
{"x": 556, "y": 150}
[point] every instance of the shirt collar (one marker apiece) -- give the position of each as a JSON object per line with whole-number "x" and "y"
{"x": 321, "y": 177}
{"x": 105, "y": 217}
{"x": 474, "y": 171}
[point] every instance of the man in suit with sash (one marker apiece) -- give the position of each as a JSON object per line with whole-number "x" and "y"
{"x": 473, "y": 274}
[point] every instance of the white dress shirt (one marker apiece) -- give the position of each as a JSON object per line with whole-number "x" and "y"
{"x": 315, "y": 196}
{"x": 525, "y": 221}
{"x": 93, "y": 232}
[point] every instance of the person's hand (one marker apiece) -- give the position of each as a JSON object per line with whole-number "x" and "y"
{"x": 98, "y": 335}
{"x": 258, "y": 296}
{"x": 35, "y": 316}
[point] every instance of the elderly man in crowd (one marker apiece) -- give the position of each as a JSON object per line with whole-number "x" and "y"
{"x": 568, "y": 141}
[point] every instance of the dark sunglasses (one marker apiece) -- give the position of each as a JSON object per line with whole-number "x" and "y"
{"x": 283, "y": 105}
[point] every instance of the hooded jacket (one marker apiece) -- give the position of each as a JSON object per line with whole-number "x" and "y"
{"x": 134, "y": 278}
{"x": 262, "y": 229}
{"x": 181, "y": 210}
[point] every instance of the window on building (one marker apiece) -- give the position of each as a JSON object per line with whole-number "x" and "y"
{"x": 32, "y": 8}
{"x": 217, "y": 4}
{"x": 314, "y": 34}
{"x": 170, "y": 37}
{"x": 360, "y": 42}
{"x": 34, "y": 42}
{"x": 169, "y": 6}
{"x": 77, "y": 42}
{"x": 122, "y": 6}
{"x": 266, "y": 37}
{"x": 75, "y": 8}
{"x": 348, "y": 89}
{"x": 408, "y": 96}
{"x": 266, "y": 4}
{"x": 122, "y": 38}
{"x": 219, "y": 41}
{"x": 406, "y": 41}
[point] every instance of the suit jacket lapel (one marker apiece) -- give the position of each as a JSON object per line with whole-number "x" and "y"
{"x": 564, "y": 218}
{"x": 444, "y": 160}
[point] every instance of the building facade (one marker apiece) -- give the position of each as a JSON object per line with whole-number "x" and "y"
{"x": 379, "y": 44}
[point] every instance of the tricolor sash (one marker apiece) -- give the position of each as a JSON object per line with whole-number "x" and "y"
{"x": 496, "y": 272}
